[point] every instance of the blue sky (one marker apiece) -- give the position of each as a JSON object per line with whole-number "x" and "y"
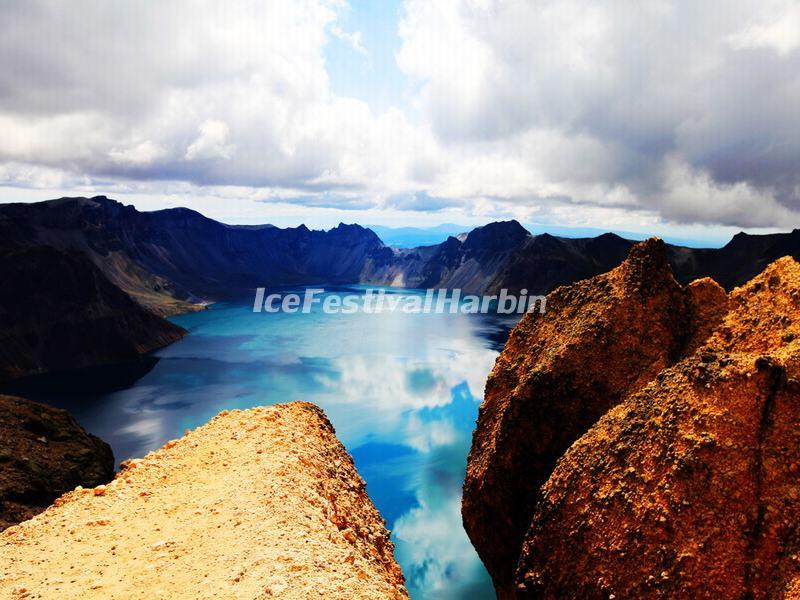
{"x": 370, "y": 74}
{"x": 677, "y": 118}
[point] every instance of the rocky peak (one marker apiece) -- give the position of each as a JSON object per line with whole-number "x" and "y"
{"x": 647, "y": 266}
{"x": 498, "y": 236}
{"x": 354, "y": 233}
{"x": 255, "y": 504}
{"x": 621, "y": 428}
{"x": 670, "y": 495}
{"x": 764, "y": 315}
{"x": 543, "y": 393}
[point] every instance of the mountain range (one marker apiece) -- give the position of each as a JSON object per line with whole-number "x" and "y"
{"x": 174, "y": 260}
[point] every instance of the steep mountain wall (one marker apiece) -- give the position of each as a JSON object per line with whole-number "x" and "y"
{"x": 58, "y": 311}
{"x": 688, "y": 488}
{"x": 169, "y": 258}
{"x": 599, "y": 340}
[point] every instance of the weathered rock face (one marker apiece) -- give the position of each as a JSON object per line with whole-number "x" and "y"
{"x": 764, "y": 316}
{"x": 687, "y": 485}
{"x": 599, "y": 341}
{"x": 689, "y": 488}
{"x": 258, "y": 503}
{"x": 44, "y": 453}
{"x": 685, "y": 490}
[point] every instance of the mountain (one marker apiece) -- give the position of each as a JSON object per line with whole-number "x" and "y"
{"x": 545, "y": 262}
{"x": 169, "y": 259}
{"x": 504, "y": 255}
{"x": 738, "y": 261}
{"x": 469, "y": 262}
{"x": 256, "y": 504}
{"x": 548, "y": 387}
{"x": 639, "y": 439}
{"x": 58, "y": 311}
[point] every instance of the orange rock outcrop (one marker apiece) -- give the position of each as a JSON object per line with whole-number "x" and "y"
{"x": 677, "y": 474}
{"x": 600, "y": 340}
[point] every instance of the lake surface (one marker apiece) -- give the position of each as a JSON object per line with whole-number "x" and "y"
{"x": 402, "y": 391}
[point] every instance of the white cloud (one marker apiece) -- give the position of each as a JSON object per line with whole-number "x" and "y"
{"x": 568, "y": 108}
{"x": 352, "y": 39}
{"x": 779, "y": 32}
{"x": 143, "y": 153}
{"x": 212, "y": 142}
{"x": 594, "y": 101}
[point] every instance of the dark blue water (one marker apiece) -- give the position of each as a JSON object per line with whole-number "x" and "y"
{"x": 402, "y": 391}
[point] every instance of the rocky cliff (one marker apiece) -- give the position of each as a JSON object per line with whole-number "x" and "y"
{"x": 170, "y": 258}
{"x": 469, "y": 262}
{"x": 44, "y": 453}
{"x": 688, "y": 488}
{"x": 638, "y": 440}
{"x": 58, "y": 311}
{"x": 255, "y": 504}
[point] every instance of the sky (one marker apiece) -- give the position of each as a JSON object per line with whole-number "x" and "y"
{"x": 672, "y": 117}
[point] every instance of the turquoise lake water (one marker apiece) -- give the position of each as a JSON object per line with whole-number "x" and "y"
{"x": 402, "y": 391}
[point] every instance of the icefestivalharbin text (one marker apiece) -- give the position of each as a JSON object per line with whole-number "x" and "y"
{"x": 379, "y": 301}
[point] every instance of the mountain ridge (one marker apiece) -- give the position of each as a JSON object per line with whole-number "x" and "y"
{"x": 175, "y": 259}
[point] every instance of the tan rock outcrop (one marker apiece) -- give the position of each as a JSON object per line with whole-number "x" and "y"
{"x": 256, "y": 504}
{"x": 600, "y": 340}
{"x": 764, "y": 316}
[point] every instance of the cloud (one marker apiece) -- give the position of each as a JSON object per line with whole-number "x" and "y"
{"x": 586, "y": 100}
{"x": 781, "y": 32}
{"x": 352, "y": 39}
{"x": 142, "y": 153}
{"x": 669, "y": 111}
{"x": 212, "y": 142}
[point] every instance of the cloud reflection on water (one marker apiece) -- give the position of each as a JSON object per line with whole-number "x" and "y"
{"x": 402, "y": 391}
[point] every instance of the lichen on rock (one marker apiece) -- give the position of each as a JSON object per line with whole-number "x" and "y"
{"x": 44, "y": 452}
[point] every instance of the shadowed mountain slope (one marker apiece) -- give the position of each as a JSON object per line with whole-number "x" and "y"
{"x": 168, "y": 258}
{"x": 58, "y": 311}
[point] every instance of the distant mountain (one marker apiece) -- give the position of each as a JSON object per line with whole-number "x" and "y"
{"x": 478, "y": 263}
{"x": 637, "y": 236}
{"x": 545, "y": 262}
{"x": 738, "y": 261}
{"x": 469, "y": 262}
